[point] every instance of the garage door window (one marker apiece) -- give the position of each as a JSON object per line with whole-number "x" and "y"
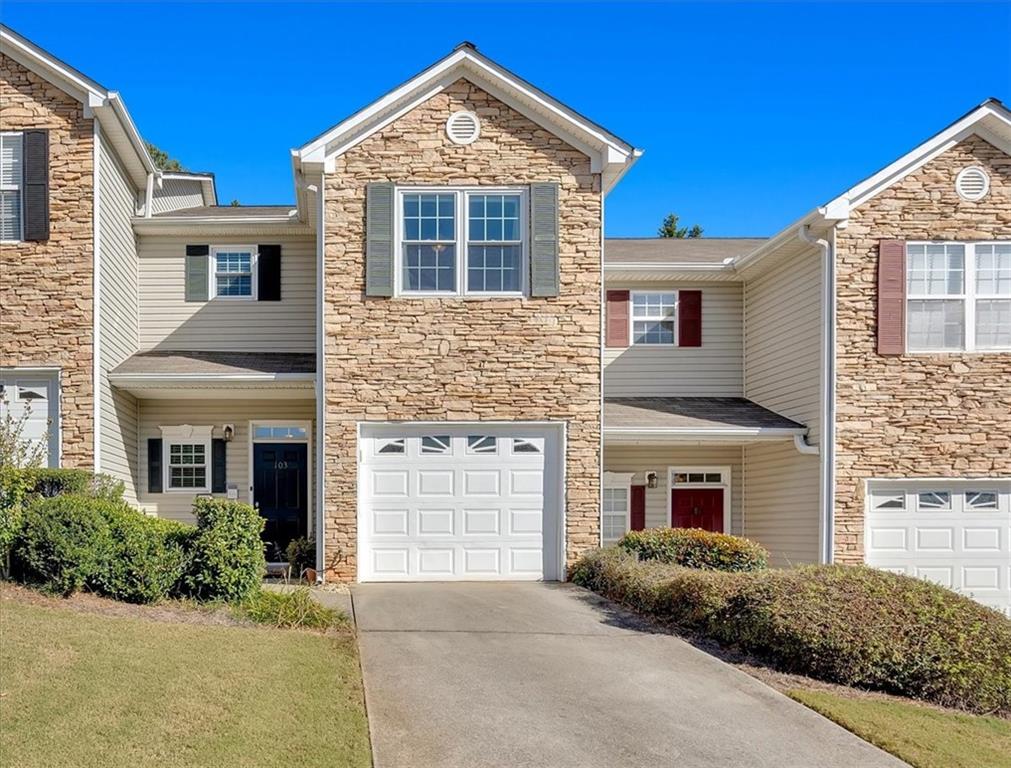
{"x": 933, "y": 500}
{"x": 437, "y": 445}
{"x": 981, "y": 500}
{"x": 396, "y": 445}
{"x": 478, "y": 444}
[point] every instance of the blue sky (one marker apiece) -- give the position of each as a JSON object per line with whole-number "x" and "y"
{"x": 750, "y": 114}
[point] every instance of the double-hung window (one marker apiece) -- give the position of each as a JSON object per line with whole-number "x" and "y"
{"x": 958, "y": 297}
{"x": 461, "y": 242}
{"x": 186, "y": 458}
{"x": 233, "y": 271}
{"x": 11, "y": 221}
{"x": 654, "y": 317}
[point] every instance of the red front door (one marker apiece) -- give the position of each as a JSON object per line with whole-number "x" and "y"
{"x": 697, "y": 508}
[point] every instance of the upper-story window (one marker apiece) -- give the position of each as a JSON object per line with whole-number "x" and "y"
{"x": 654, "y": 317}
{"x": 233, "y": 271}
{"x": 461, "y": 242}
{"x": 11, "y": 224}
{"x": 958, "y": 297}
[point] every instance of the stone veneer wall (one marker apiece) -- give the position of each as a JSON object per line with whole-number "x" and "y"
{"x": 46, "y": 288}
{"x": 456, "y": 359}
{"x": 932, "y": 415}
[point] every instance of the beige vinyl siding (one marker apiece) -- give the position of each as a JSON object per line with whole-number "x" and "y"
{"x": 783, "y": 340}
{"x": 168, "y": 321}
{"x": 712, "y": 370}
{"x": 177, "y": 194}
{"x": 118, "y": 319}
{"x": 155, "y": 414}
{"x": 781, "y": 502}
{"x": 658, "y": 458}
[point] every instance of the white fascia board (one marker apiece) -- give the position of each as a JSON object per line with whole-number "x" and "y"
{"x": 156, "y": 379}
{"x": 676, "y": 434}
{"x": 609, "y": 154}
{"x": 49, "y": 67}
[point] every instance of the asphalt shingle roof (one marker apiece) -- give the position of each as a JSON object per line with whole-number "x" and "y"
{"x": 212, "y": 363}
{"x": 691, "y": 412}
{"x": 672, "y": 250}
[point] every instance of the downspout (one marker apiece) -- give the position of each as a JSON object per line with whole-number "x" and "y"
{"x": 603, "y": 331}
{"x": 320, "y": 379}
{"x": 96, "y": 300}
{"x": 148, "y": 195}
{"x": 828, "y": 340}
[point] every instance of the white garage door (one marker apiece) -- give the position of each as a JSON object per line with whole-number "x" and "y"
{"x": 459, "y": 503}
{"x": 31, "y": 399}
{"x": 956, "y": 533}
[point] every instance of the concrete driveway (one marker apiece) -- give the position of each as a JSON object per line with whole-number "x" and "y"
{"x": 516, "y": 675}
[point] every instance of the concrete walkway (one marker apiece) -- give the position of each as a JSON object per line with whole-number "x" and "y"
{"x": 516, "y": 675}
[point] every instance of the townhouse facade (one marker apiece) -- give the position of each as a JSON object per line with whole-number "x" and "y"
{"x": 435, "y": 366}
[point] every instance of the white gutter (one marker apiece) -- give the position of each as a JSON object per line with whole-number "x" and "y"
{"x": 744, "y": 434}
{"x": 148, "y": 195}
{"x": 827, "y": 385}
{"x": 673, "y": 266}
{"x": 153, "y": 379}
{"x": 96, "y": 303}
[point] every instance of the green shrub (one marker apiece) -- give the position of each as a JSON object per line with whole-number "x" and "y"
{"x": 301, "y": 553}
{"x": 78, "y": 482}
{"x": 845, "y": 624}
{"x": 14, "y": 487}
{"x": 63, "y": 542}
{"x": 695, "y": 548}
{"x": 146, "y": 556}
{"x": 290, "y": 609}
{"x": 226, "y": 559}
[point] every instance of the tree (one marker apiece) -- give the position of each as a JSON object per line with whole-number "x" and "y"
{"x": 161, "y": 159}
{"x": 670, "y": 228}
{"x": 235, "y": 203}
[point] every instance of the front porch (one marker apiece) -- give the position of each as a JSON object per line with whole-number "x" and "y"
{"x": 230, "y": 425}
{"x": 723, "y": 464}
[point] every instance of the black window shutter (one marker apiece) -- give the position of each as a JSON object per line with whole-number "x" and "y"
{"x": 379, "y": 239}
{"x": 154, "y": 465}
{"x": 197, "y": 275}
{"x": 218, "y": 453}
{"x": 35, "y": 184}
{"x": 268, "y": 273}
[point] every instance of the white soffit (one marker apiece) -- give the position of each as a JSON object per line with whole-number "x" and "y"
{"x": 609, "y": 155}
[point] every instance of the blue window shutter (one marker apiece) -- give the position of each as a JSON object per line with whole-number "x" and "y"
{"x": 197, "y": 266}
{"x": 379, "y": 260}
{"x": 544, "y": 279}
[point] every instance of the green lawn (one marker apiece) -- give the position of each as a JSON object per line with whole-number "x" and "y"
{"x": 922, "y": 736}
{"x": 81, "y": 690}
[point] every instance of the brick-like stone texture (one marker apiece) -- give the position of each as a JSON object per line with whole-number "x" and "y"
{"x": 528, "y": 359}
{"x": 938, "y": 415}
{"x": 46, "y": 288}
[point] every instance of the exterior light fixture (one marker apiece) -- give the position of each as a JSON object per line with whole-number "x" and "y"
{"x": 651, "y": 479}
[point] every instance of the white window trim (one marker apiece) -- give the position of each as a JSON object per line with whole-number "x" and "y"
{"x": 632, "y": 319}
{"x": 186, "y": 434}
{"x": 968, "y": 297}
{"x": 307, "y": 441}
{"x": 726, "y": 481}
{"x": 462, "y": 241}
{"x": 17, "y": 188}
{"x": 213, "y": 276}
{"x": 616, "y": 481}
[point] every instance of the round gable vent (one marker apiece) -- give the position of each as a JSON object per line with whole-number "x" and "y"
{"x": 463, "y": 127}
{"x": 972, "y": 183}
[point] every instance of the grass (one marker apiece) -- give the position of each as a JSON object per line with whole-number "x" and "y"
{"x": 98, "y": 690}
{"x": 925, "y": 737}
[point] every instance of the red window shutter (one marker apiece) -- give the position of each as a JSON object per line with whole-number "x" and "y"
{"x": 616, "y": 320}
{"x": 891, "y": 297}
{"x": 637, "y": 516}
{"x": 689, "y": 318}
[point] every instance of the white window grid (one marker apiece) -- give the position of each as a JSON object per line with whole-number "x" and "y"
{"x": 189, "y": 461}
{"x": 233, "y": 269}
{"x": 615, "y": 513}
{"x": 460, "y": 241}
{"x": 652, "y": 307}
{"x": 11, "y": 197}
{"x": 966, "y": 293}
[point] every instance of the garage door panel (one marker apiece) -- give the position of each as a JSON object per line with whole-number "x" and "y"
{"x": 475, "y": 502}
{"x": 966, "y": 545}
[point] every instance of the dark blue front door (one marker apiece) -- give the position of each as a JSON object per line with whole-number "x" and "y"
{"x": 279, "y": 492}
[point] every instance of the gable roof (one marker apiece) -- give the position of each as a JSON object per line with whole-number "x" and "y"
{"x": 610, "y": 155}
{"x": 990, "y": 120}
{"x": 105, "y": 105}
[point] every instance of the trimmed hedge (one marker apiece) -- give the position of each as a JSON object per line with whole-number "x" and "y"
{"x": 63, "y": 542}
{"x": 695, "y": 548}
{"x": 845, "y": 624}
{"x": 226, "y": 559}
{"x": 50, "y": 483}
